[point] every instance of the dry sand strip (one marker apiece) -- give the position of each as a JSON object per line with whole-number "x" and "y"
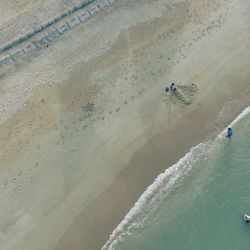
{"x": 37, "y": 38}
{"x": 16, "y": 18}
{"x": 86, "y": 124}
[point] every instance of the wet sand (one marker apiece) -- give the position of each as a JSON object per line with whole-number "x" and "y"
{"x": 86, "y": 125}
{"x": 91, "y": 229}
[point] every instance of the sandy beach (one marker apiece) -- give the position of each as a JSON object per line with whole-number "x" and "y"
{"x": 86, "y": 125}
{"x": 17, "y": 18}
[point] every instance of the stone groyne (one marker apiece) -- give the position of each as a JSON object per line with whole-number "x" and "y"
{"x": 53, "y": 34}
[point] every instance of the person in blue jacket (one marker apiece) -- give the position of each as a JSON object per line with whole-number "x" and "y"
{"x": 229, "y": 132}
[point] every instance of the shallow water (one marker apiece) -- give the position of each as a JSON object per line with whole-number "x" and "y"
{"x": 204, "y": 207}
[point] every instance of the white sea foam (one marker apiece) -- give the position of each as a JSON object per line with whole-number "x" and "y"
{"x": 163, "y": 184}
{"x": 149, "y": 199}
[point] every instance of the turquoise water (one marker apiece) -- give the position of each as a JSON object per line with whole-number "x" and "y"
{"x": 200, "y": 203}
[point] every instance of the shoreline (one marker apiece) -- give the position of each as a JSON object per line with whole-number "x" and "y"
{"x": 161, "y": 185}
{"x": 86, "y": 125}
{"x": 92, "y": 228}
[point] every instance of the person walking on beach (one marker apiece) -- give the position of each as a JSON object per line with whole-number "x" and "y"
{"x": 229, "y": 133}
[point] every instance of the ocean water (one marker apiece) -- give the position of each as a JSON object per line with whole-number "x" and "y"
{"x": 198, "y": 203}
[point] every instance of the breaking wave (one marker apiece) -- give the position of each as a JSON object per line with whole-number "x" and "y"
{"x": 149, "y": 201}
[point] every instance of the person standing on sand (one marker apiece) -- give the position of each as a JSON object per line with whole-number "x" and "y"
{"x": 171, "y": 88}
